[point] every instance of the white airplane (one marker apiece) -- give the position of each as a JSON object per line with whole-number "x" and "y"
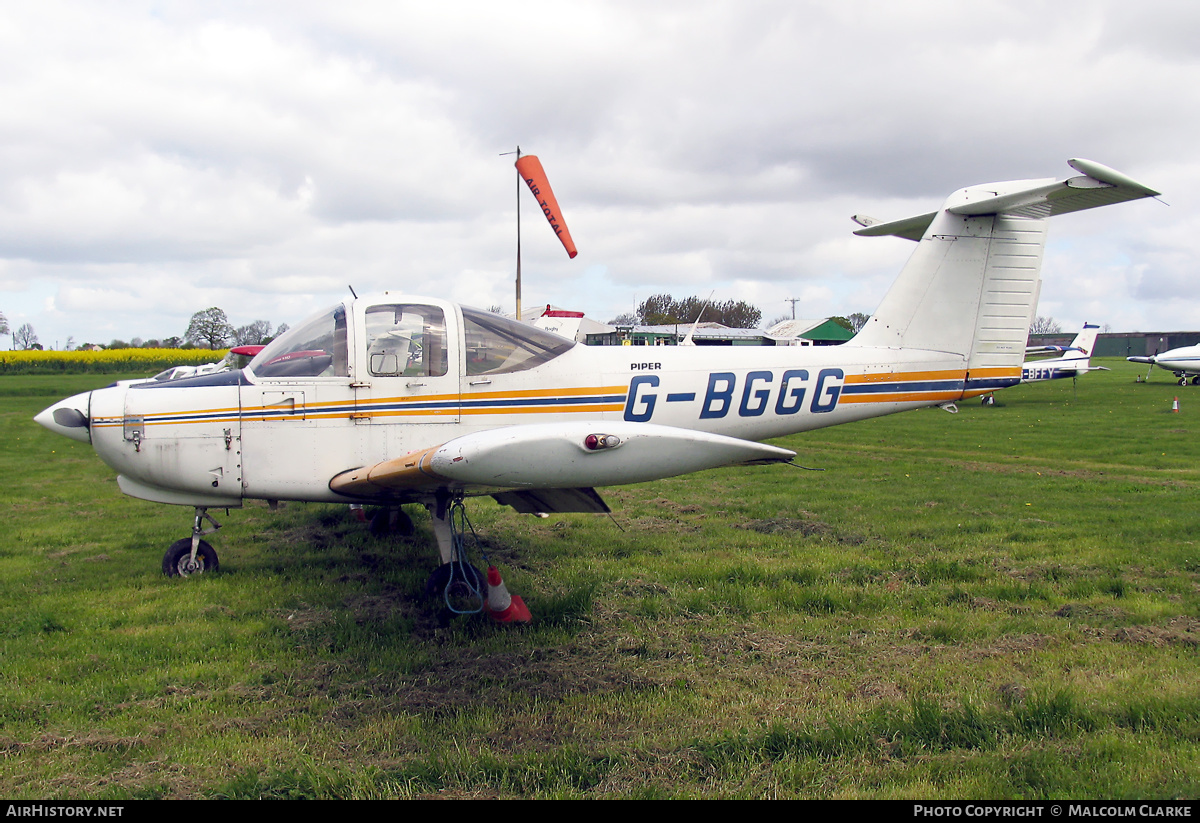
{"x": 1183, "y": 363}
{"x": 1075, "y": 359}
{"x": 178, "y": 373}
{"x": 397, "y": 400}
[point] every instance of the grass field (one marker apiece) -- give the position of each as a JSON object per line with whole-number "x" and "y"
{"x": 1002, "y": 603}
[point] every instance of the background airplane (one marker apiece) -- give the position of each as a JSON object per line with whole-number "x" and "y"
{"x": 1075, "y": 359}
{"x": 1182, "y": 362}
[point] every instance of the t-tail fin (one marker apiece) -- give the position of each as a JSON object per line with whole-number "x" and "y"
{"x": 972, "y": 284}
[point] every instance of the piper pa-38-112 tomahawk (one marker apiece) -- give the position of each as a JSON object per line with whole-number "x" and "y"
{"x": 396, "y": 399}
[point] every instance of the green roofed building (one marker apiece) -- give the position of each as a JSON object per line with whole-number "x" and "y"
{"x": 822, "y": 332}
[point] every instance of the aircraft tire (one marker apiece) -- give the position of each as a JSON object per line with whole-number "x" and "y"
{"x": 388, "y": 520}
{"x": 177, "y": 559}
{"x": 464, "y": 577}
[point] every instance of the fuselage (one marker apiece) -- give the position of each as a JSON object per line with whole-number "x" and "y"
{"x": 388, "y": 376}
{"x": 1055, "y": 368}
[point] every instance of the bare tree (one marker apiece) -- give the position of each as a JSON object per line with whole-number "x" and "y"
{"x": 252, "y": 334}
{"x": 209, "y": 327}
{"x": 25, "y": 338}
{"x": 1044, "y": 325}
{"x": 3, "y": 323}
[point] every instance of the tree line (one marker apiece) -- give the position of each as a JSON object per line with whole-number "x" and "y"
{"x": 664, "y": 310}
{"x": 209, "y": 328}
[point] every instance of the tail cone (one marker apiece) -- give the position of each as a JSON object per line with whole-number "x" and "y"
{"x": 502, "y": 606}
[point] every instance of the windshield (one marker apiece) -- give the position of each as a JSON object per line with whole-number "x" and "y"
{"x": 316, "y": 348}
{"x": 496, "y": 344}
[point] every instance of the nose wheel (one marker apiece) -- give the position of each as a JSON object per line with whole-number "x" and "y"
{"x": 179, "y": 562}
{"x": 191, "y": 555}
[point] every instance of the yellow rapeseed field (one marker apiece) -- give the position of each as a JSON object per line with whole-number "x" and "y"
{"x": 104, "y": 362}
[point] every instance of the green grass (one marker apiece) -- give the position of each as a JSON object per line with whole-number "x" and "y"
{"x": 1002, "y": 603}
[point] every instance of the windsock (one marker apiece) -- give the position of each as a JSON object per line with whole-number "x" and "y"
{"x": 502, "y": 606}
{"x": 531, "y": 171}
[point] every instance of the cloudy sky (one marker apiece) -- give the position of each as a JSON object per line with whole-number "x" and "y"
{"x": 163, "y": 157}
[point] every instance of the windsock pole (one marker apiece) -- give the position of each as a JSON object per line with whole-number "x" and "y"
{"x": 518, "y": 240}
{"x": 518, "y": 154}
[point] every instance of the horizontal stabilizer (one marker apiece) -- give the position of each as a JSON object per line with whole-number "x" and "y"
{"x": 912, "y": 228}
{"x": 1097, "y": 186}
{"x": 574, "y": 455}
{"x": 1035, "y": 351}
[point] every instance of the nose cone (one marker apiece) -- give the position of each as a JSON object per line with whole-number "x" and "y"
{"x": 69, "y": 417}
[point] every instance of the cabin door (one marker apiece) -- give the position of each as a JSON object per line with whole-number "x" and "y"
{"x": 408, "y": 367}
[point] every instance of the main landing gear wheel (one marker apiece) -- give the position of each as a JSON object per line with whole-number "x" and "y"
{"x": 391, "y": 521}
{"x": 464, "y": 582}
{"x": 177, "y": 562}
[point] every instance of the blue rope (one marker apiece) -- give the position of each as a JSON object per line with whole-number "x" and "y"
{"x": 459, "y": 524}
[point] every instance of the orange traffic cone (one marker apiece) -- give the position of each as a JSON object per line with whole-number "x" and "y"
{"x": 356, "y": 509}
{"x": 1175, "y": 405}
{"x": 502, "y": 606}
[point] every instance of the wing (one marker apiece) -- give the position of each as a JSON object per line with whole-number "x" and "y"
{"x": 553, "y": 467}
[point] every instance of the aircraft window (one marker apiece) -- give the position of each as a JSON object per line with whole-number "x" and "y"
{"x": 406, "y": 340}
{"x": 496, "y": 344}
{"x": 316, "y": 348}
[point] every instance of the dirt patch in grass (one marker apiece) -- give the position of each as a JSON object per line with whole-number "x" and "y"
{"x": 304, "y": 617}
{"x": 313, "y": 536}
{"x": 787, "y": 525}
{"x": 93, "y": 742}
{"x": 805, "y": 526}
{"x": 650, "y": 523}
{"x": 1009, "y": 645}
{"x": 1178, "y": 631}
{"x": 467, "y": 678}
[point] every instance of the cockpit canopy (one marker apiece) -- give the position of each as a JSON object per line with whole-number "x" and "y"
{"x": 406, "y": 338}
{"x": 496, "y": 345}
{"x": 315, "y": 348}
